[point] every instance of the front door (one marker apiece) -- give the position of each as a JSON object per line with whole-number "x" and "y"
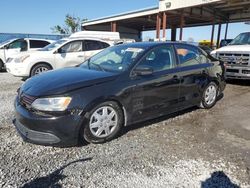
{"x": 15, "y": 47}
{"x": 70, "y": 55}
{"x": 156, "y": 94}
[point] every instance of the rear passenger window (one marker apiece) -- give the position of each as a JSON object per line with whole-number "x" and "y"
{"x": 188, "y": 55}
{"x": 91, "y": 45}
{"x": 38, "y": 43}
{"x": 160, "y": 58}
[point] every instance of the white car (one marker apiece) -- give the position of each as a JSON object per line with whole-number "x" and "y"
{"x": 12, "y": 47}
{"x": 66, "y": 52}
{"x": 236, "y": 57}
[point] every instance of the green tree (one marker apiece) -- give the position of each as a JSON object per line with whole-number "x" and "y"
{"x": 72, "y": 25}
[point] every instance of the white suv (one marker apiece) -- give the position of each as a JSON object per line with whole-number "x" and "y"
{"x": 12, "y": 47}
{"x": 67, "y": 52}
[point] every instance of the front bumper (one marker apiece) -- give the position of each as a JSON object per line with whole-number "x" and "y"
{"x": 50, "y": 130}
{"x": 237, "y": 72}
{"x": 17, "y": 69}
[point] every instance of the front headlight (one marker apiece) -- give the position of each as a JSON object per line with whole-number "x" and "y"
{"x": 21, "y": 59}
{"x": 56, "y": 104}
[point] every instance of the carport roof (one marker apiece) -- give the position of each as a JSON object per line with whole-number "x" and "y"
{"x": 222, "y": 11}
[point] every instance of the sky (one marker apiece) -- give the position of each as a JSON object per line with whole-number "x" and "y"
{"x": 38, "y": 16}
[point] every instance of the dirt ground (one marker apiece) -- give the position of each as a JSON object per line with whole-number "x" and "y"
{"x": 193, "y": 148}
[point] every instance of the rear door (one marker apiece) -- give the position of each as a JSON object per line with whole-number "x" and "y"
{"x": 192, "y": 65}
{"x": 70, "y": 54}
{"x": 92, "y": 47}
{"x": 157, "y": 94}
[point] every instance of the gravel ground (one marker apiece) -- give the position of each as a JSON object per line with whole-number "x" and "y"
{"x": 194, "y": 148}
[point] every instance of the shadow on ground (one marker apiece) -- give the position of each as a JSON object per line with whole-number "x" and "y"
{"x": 218, "y": 179}
{"x": 239, "y": 82}
{"x": 52, "y": 179}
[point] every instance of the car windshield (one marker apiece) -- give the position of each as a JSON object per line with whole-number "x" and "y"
{"x": 53, "y": 45}
{"x": 114, "y": 59}
{"x": 241, "y": 39}
{"x": 6, "y": 42}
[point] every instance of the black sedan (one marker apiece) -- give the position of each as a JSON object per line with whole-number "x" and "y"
{"x": 118, "y": 87}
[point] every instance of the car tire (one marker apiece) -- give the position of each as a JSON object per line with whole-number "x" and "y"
{"x": 209, "y": 97}
{"x": 40, "y": 68}
{"x": 1, "y": 65}
{"x": 98, "y": 127}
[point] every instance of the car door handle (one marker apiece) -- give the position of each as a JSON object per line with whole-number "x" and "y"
{"x": 80, "y": 56}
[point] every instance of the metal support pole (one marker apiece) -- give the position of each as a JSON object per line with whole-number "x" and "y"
{"x": 181, "y": 26}
{"x": 158, "y": 26}
{"x": 173, "y": 34}
{"x": 226, "y": 31}
{"x": 212, "y": 36}
{"x": 164, "y": 25}
{"x": 218, "y": 36}
{"x": 113, "y": 26}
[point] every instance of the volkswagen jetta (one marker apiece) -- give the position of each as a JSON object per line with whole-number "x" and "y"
{"x": 117, "y": 87}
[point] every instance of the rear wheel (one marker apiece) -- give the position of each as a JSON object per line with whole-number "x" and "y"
{"x": 209, "y": 97}
{"x": 1, "y": 65}
{"x": 40, "y": 68}
{"x": 104, "y": 123}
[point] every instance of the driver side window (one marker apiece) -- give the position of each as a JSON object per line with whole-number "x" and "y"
{"x": 22, "y": 44}
{"x": 75, "y": 46}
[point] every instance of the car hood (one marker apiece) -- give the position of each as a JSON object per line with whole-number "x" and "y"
{"x": 234, "y": 48}
{"x": 64, "y": 80}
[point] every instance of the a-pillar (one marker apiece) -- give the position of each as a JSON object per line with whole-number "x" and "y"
{"x": 218, "y": 36}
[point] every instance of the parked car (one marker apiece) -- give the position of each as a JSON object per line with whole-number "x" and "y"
{"x": 236, "y": 57}
{"x": 225, "y": 42}
{"x": 207, "y": 49}
{"x": 12, "y": 47}
{"x": 67, "y": 52}
{"x": 119, "y": 86}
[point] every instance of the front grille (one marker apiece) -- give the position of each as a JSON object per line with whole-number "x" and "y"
{"x": 233, "y": 70}
{"x": 235, "y": 59}
{"x": 26, "y": 100}
{"x": 246, "y": 71}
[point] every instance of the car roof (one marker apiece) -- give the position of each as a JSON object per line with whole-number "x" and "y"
{"x": 153, "y": 44}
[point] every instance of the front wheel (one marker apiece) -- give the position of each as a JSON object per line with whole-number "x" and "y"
{"x": 40, "y": 68}
{"x": 209, "y": 97}
{"x": 104, "y": 123}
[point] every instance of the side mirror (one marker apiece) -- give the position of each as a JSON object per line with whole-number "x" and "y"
{"x": 59, "y": 51}
{"x": 143, "y": 70}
